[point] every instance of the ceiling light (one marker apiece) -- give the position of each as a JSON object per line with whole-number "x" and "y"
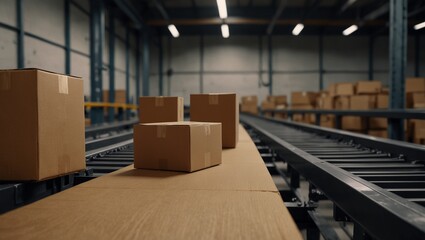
{"x": 225, "y": 30}
{"x": 222, "y": 8}
{"x": 297, "y": 29}
{"x": 419, "y": 26}
{"x": 173, "y": 30}
{"x": 350, "y": 30}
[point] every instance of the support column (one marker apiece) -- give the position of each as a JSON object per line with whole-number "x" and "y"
{"x": 398, "y": 57}
{"x": 97, "y": 33}
{"x": 270, "y": 50}
{"x": 371, "y": 56}
{"x": 111, "y": 41}
{"x": 127, "y": 70}
{"x": 321, "y": 61}
{"x": 138, "y": 65}
{"x": 161, "y": 67}
{"x": 417, "y": 54}
{"x": 20, "y": 37}
{"x": 201, "y": 72}
{"x": 67, "y": 37}
{"x": 146, "y": 53}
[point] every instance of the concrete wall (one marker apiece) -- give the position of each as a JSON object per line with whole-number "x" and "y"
{"x": 51, "y": 27}
{"x": 240, "y": 64}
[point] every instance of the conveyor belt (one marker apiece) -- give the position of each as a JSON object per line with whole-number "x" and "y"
{"x": 379, "y": 188}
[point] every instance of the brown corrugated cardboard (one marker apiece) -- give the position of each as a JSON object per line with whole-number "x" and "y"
{"x": 418, "y": 100}
{"x": 302, "y": 107}
{"x": 326, "y": 103}
{"x": 41, "y": 124}
{"x": 382, "y": 101}
{"x": 353, "y": 123}
{"x": 378, "y": 133}
{"x": 120, "y": 96}
{"x": 87, "y": 122}
{"x": 177, "y": 146}
{"x": 249, "y": 100}
{"x": 221, "y": 108}
{"x": 378, "y": 123}
{"x": 303, "y": 98}
{"x": 266, "y": 105}
{"x": 362, "y": 102}
{"x": 332, "y": 89}
{"x": 161, "y": 109}
{"x": 415, "y": 85}
{"x": 345, "y": 89}
{"x": 249, "y": 108}
{"x": 327, "y": 121}
{"x": 298, "y": 117}
{"x": 368, "y": 87}
{"x": 342, "y": 103}
{"x": 278, "y": 100}
{"x": 163, "y": 204}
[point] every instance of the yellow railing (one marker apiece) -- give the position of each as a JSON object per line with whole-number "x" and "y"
{"x": 109, "y": 105}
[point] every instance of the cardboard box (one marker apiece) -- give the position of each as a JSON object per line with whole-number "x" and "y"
{"x": 382, "y": 101}
{"x": 249, "y": 100}
{"x": 280, "y": 116}
{"x": 378, "y": 123}
{"x": 249, "y": 108}
{"x": 222, "y": 108}
{"x": 368, "y": 87}
{"x": 332, "y": 89}
{"x": 161, "y": 109}
{"x": 302, "y": 107}
{"x": 326, "y": 103}
{"x": 278, "y": 100}
{"x": 327, "y": 121}
{"x": 342, "y": 103}
{"x": 87, "y": 122}
{"x": 415, "y": 85}
{"x": 266, "y": 105}
{"x": 303, "y": 98}
{"x": 418, "y": 100}
{"x": 378, "y": 133}
{"x": 344, "y": 89}
{"x": 362, "y": 102}
{"x": 353, "y": 123}
{"x": 177, "y": 146}
{"x": 120, "y": 96}
{"x": 41, "y": 125}
{"x": 298, "y": 117}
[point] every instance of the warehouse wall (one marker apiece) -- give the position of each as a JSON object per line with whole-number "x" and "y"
{"x": 240, "y": 63}
{"x": 49, "y": 52}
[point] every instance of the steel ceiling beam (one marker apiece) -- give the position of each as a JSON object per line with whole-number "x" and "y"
{"x": 276, "y": 16}
{"x": 129, "y": 10}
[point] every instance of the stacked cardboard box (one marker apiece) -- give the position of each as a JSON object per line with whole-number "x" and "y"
{"x": 119, "y": 96}
{"x": 303, "y": 101}
{"x": 415, "y": 98}
{"x": 249, "y": 104}
{"x": 274, "y": 103}
{"x": 325, "y": 101}
{"x": 161, "y": 109}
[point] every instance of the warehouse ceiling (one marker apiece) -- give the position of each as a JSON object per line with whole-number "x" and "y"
{"x": 254, "y": 17}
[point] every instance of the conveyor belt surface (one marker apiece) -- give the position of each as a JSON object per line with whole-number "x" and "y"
{"x": 357, "y": 177}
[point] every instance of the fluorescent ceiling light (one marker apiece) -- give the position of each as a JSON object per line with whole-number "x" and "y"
{"x": 173, "y": 30}
{"x": 297, "y": 29}
{"x": 222, "y": 8}
{"x": 350, "y": 30}
{"x": 419, "y": 26}
{"x": 225, "y": 30}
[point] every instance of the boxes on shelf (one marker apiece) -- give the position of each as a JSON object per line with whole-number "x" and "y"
{"x": 177, "y": 146}
{"x": 120, "y": 96}
{"x": 278, "y": 99}
{"x": 416, "y": 100}
{"x": 332, "y": 92}
{"x": 382, "y": 101}
{"x": 368, "y": 87}
{"x": 249, "y": 104}
{"x": 326, "y": 103}
{"x": 344, "y": 89}
{"x": 161, "y": 109}
{"x": 417, "y": 130}
{"x": 280, "y": 115}
{"x": 415, "y": 85}
{"x": 303, "y": 98}
{"x": 362, "y": 102}
{"x": 378, "y": 123}
{"x": 41, "y": 125}
{"x": 327, "y": 121}
{"x": 342, "y": 103}
{"x": 220, "y": 107}
{"x": 378, "y": 133}
{"x": 353, "y": 123}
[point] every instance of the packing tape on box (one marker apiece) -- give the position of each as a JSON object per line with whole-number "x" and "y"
{"x": 161, "y": 131}
{"x": 63, "y": 84}
{"x": 207, "y": 159}
{"x": 5, "y": 82}
{"x": 213, "y": 99}
{"x": 207, "y": 130}
{"x": 162, "y": 163}
{"x": 159, "y": 101}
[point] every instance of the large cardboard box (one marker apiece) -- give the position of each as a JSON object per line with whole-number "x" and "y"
{"x": 344, "y": 89}
{"x": 222, "y": 108}
{"x": 342, "y": 103}
{"x": 326, "y": 103}
{"x": 303, "y": 98}
{"x": 177, "y": 146}
{"x": 415, "y": 85}
{"x": 368, "y": 87}
{"x": 378, "y": 133}
{"x": 41, "y": 125}
{"x": 353, "y": 123}
{"x": 161, "y": 109}
{"x": 382, "y": 101}
{"x": 362, "y": 102}
{"x": 378, "y": 123}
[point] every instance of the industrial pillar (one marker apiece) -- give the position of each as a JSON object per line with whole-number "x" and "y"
{"x": 321, "y": 61}
{"x": 161, "y": 67}
{"x": 270, "y": 50}
{"x": 371, "y": 54}
{"x": 127, "y": 71}
{"x": 111, "y": 41}
{"x": 138, "y": 65}
{"x": 97, "y": 33}
{"x": 67, "y": 4}
{"x": 20, "y": 37}
{"x": 398, "y": 57}
{"x": 417, "y": 54}
{"x": 146, "y": 53}
{"x": 201, "y": 64}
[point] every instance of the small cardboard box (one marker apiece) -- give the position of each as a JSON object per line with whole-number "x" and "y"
{"x": 378, "y": 133}
{"x": 368, "y": 87}
{"x": 415, "y": 85}
{"x": 120, "y": 96}
{"x": 382, "y": 101}
{"x": 249, "y": 100}
{"x": 41, "y": 125}
{"x": 378, "y": 123}
{"x": 353, "y": 123}
{"x": 222, "y": 108}
{"x": 327, "y": 121}
{"x": 326, "y": 103}
{"x": 266, "y": 105}
{"x": 344, "y": 89}
{"x": 362, "y": 102}
{"x": 303, "y": 98}
{"x": 418, "y": 100}
{"x": 161, "y": 109}
{"x": 332, "y": 89}
{"x": 342, "y": 103}
{"x": 177, "y": 146}
{"x": 278, "y": 100}
{"x": 249, "y": 108}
